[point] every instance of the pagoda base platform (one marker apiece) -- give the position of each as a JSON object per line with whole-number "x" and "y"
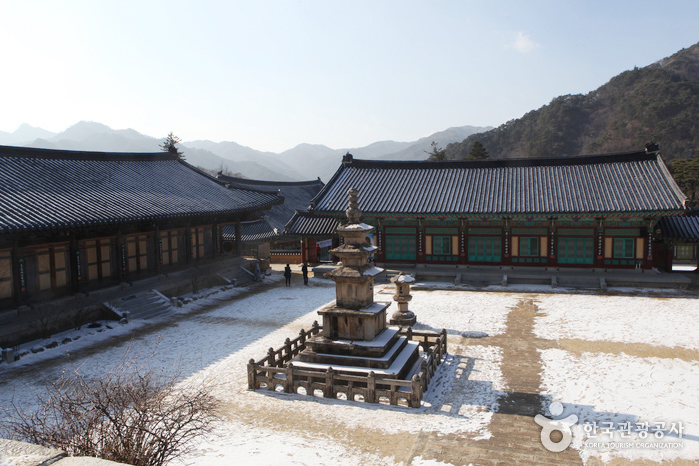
{"x": 399, "y": 363}
{"x": 375, "y": 348}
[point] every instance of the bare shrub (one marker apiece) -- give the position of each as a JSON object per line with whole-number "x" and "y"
{"x": 196, "y": 274}
{"x": 45, "y": 319}
{"x": 130, "y": 415}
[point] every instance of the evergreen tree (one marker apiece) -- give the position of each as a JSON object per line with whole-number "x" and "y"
{"x": 436, "y": 154}
{"x": 686, "y": 174}
{"x": 170, "y": 145}
{"x": 478, "y": 152}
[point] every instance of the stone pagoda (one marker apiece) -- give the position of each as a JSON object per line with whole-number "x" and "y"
{"x": 355, "y": 338}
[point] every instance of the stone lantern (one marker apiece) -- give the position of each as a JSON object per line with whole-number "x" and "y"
{"x": 403, "y": 316}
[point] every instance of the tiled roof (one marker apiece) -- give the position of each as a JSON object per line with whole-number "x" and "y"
{"x": 684, "y": 228}
{"x": 46, "y": 189}
{"x": 626, "y": 182}
{"x": 308, "y": 224}
{"x": 297, "y": 195}
{"x": 257, "y": 230}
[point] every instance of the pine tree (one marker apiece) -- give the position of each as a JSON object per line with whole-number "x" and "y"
{"x": 170, "y": 145}
{"x": 478, "y": 152}
{"x": 436, "y": 154}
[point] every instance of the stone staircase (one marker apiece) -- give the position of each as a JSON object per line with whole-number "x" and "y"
{"x": 146, "y": 305}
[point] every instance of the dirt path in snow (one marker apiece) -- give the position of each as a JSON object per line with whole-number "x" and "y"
{"x": 515, "y": 435}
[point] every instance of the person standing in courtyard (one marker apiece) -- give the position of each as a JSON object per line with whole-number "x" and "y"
{"x": 287, "y": 275}
{"x": 304, "y": 271}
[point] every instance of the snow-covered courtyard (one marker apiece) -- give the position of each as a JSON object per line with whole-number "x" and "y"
{"x": 613, "y": 361}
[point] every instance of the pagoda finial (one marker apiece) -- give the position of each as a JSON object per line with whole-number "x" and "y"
{"x": 353, "y": 212}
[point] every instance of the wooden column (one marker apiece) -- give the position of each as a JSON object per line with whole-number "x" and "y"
{"x": 506, "y": 241}
{"x": 380, "y": 252}
{"x": 188, "y": 247}
{"x": 19, "y": 275}
{"x": 304, "y": 251}
{"x": 553, "y": 239}
{"x": 76, "y": 271}
{"x": 238, "y": 239}
{"x": 420, "y": 241}
{"x": 647, "y": 264}
{"x": 463, "y": 256}
{"x": 121, "y": 257}
{"x": 158, "y": 249}
{"x": 599, "y": 246}
{"x": 216, "y": 240}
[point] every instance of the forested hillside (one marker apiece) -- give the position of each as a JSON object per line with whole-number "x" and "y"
{"x": 659, "y": 102}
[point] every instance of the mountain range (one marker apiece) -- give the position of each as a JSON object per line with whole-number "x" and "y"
{"x": 659, "y": 102}
{"x": 303, "y": 162}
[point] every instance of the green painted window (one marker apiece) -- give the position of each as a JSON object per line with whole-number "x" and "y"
{"x": 485, "y": 249}
{"x": 685, "y": 251}
{"x": 576, "y": 250}
{"x": 624, "y": 248}
{"x": 529, "y": 246}
{"x": 400, "y": 247}
{"x": 441, "y": 245}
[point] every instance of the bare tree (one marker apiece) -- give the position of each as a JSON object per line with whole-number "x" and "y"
{"x": 46, "y": 319}
{"x": 131, "y": 415}
{"x": 196, "y": 275}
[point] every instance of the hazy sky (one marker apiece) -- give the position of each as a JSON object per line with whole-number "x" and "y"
{"x": 273, "y": 74}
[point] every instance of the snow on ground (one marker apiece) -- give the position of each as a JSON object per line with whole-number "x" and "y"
{"x": 617, "y": 388}
{"x": 458, "y": 311}
{"x": 215, "y": 344}
{"x": 652, "y": 321}
{"x": 213, "y": 339}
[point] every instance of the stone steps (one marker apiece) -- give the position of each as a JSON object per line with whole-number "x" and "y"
{"x": 147, "y": 305}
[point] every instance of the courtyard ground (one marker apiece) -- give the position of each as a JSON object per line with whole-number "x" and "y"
{"x": 623, "y": 363}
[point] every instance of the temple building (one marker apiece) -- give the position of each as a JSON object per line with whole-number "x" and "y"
{"x": 681, "y": 234}
{"x": 74, "y": 221}
{"x": 597, "y": 211}
{"x": 265, "y": 236}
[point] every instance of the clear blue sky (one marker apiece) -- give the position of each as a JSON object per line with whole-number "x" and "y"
{"x": 273, "y": 74}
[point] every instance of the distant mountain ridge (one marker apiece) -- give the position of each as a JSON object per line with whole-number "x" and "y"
{"x": 303, "y": 162}
{"x": 658, "y": 102}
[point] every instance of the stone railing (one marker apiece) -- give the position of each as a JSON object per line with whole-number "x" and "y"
{"x": 276, "y": 372}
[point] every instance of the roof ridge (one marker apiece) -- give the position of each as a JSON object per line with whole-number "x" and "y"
{"x": 630, "y": 156}
{"x": 64, "y": 154}
{"x": 238, "y": 180}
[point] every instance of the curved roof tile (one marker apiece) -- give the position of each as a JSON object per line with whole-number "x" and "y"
{"x": 625, "y": 182}
{"x": 46, "y": 189}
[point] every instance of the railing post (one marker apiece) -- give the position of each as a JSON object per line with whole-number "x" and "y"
{"x": 415, "y": 392}
{"x": 329, "y": 391}
{"x": 443, "y": 350}
{"x": 371, "y": 388}
{"x": 289, "y": 386}
{"x": 315, "y": 328}
{"x": 270, "y": 357}
{"x": 409, "y": 333}
{"x": 252, "y": 382}
{"x": 302, "y": 339}
{"x": 287, "y": 347}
